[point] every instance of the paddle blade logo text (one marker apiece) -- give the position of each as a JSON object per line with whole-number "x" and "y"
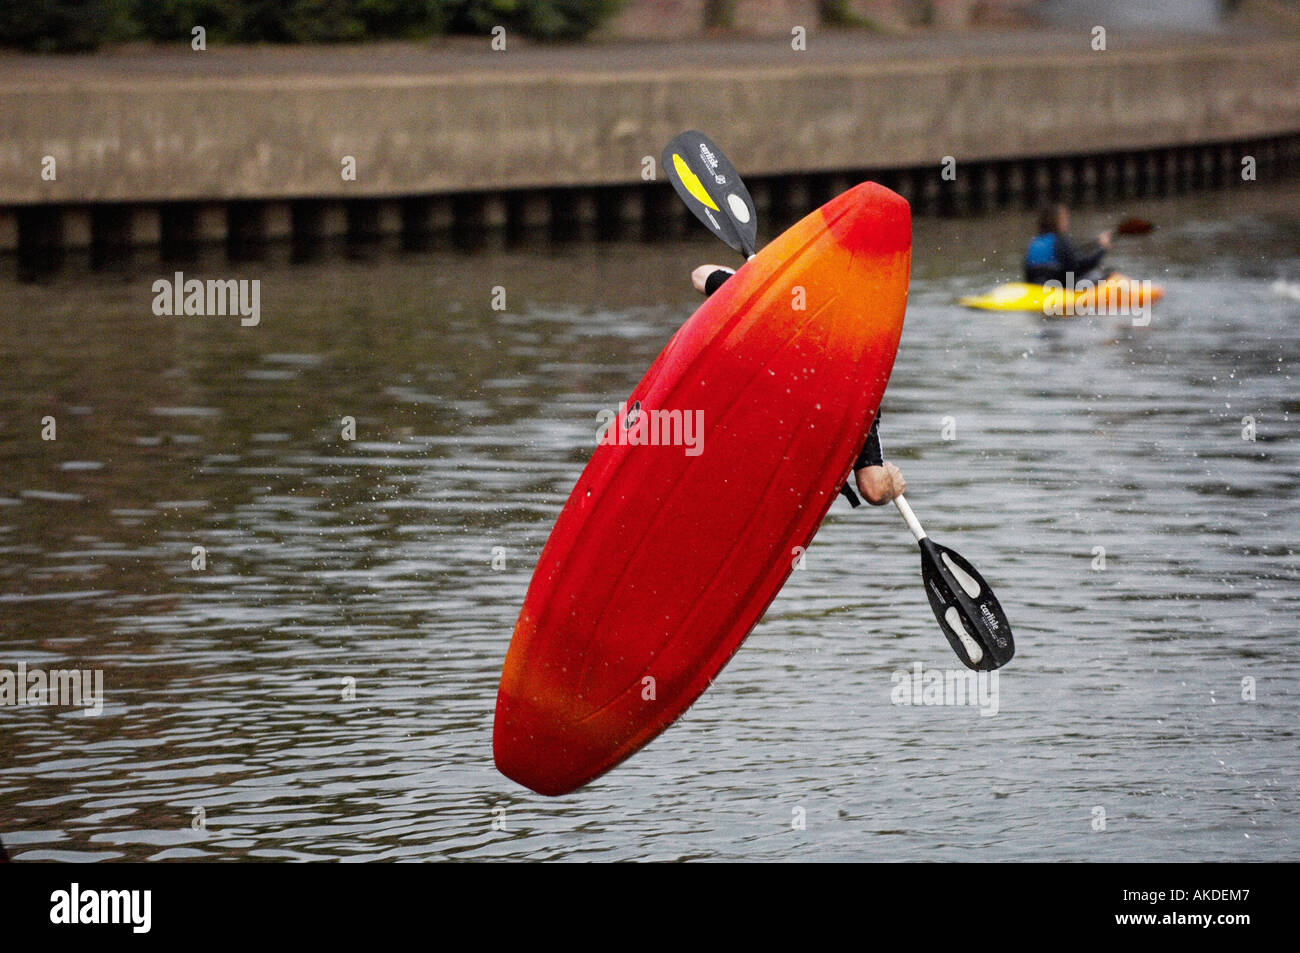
{"x": 639, "y": 427}
{"x": 711, "y": 163}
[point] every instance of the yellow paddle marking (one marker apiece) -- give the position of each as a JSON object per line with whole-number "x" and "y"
{"x": 692, "y": 182}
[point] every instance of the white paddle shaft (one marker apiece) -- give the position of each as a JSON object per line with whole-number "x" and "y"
{"x": 912, "y": 522}
{"x": 952, "y": 616}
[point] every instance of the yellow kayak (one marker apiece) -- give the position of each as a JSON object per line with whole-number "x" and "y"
{"x": 1115, "y": 295}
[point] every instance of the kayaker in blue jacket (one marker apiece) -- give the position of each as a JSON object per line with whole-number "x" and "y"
{"x": 1052, "y": 256}
{"x": 878, "y": 482}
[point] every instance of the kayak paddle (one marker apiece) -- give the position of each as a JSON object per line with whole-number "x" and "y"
{"x": 1134, "y": 226}
{"x": 711, "y": 188}
{"x": 968, "y": 612}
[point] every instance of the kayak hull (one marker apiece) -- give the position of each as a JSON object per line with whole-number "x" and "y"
{"x": 665, "y": 557}
{"x": 1115, "y": 295}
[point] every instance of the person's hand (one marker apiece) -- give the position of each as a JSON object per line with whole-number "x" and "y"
{"x": 1104, "y": 240}
{"x": 701, "y": 274}
{"x": 879, "y": 485}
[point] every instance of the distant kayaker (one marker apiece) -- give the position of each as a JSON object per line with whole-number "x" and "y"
{"x": 878, "y": 482}
{"x": 1052, "y": 256}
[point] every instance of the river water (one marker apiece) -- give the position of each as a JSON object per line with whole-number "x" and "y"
{"x": 323, "y": 688}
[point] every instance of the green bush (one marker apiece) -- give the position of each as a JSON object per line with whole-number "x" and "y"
{"x": 46, "y": 26}
{"x": 403, "y": 18}
{"x": 174, "y": 19}
{"x": 50, "y": 25}
{"x": 545, "y": 19}
{"x": 288, "y": 21}
{"x": 840, "y": 13}
{"x": 331, "y": 21}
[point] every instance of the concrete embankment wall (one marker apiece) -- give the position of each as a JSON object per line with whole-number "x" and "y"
{"x": 143, "y": 158}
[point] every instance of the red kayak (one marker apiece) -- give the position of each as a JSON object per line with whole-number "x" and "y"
{"x": 666, "y": 555}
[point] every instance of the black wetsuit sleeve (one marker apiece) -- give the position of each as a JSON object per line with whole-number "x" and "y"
{"x": 872, "y": 454}
{"x": 716, "y": 279}
{"x": 1072, "y": 259}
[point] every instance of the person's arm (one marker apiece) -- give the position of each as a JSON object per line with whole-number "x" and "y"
{"x": 879, "y": 485}
{"x": 872, "y": 454}
{"x": 709, "y": 278}
{"x": 1072, "y": 259}
{"x": 878, "y": 481}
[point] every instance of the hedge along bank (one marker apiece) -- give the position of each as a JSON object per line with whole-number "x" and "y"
{"x": 71, "y": 25}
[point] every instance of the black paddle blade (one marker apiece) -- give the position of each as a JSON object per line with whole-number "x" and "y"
{"x": 711, "y": 188}
{"x": 965, "y": 606}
